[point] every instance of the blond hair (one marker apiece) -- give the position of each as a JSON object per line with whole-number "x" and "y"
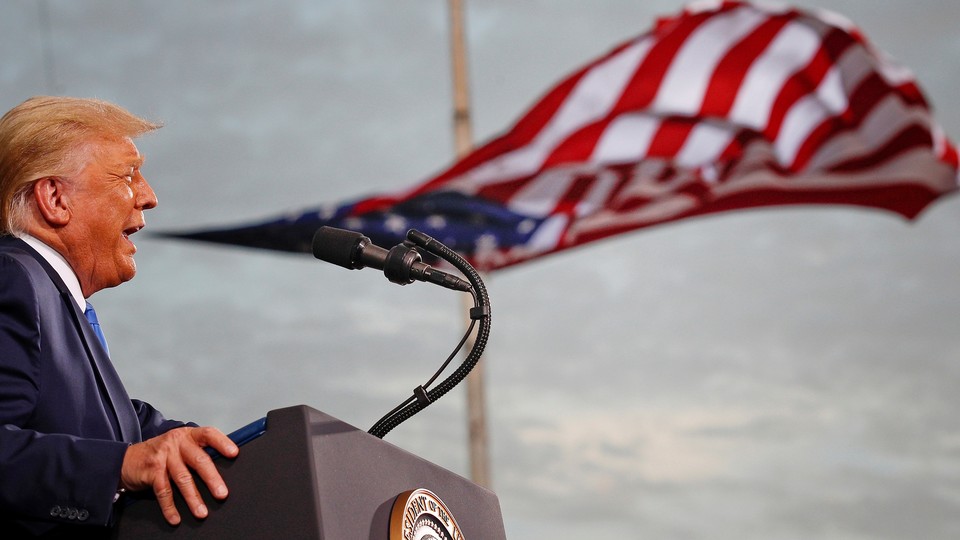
{"x": 44, "y": 136}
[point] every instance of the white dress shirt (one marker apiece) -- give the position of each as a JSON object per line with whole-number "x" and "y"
{"x": 62, "y": 267}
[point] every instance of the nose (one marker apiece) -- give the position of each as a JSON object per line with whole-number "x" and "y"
{"x": 146, "y": 198}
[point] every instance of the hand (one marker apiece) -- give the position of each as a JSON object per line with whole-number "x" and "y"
{"x": 155, "y": 462}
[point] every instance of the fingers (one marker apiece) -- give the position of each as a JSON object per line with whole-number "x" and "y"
{"x": 164, "y": 495}
{"x": 178, "y": 471}
{"x": 165, "y": 462}
{"x": 200, "y": 461}
{"x": 214, "y": 438}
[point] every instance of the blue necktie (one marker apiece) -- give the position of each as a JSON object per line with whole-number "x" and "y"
{"x": 114, "y": 395}
{"x": 91, "y": 316}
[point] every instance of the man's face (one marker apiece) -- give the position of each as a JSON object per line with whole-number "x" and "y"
{"x": 107, "y": 200}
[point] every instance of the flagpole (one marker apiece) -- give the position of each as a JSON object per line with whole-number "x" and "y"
{"x": 461, "y": 97}
{"x": 476, "y": 400}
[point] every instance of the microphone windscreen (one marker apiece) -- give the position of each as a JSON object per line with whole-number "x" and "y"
{"x": 337, "y": 246}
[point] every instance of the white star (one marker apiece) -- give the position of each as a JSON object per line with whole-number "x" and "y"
{"x": 526, "y": 226}
{"x": 436, "y": 222}
{"x": 326, "y": 211}
{"x": 395, "y": 223}
{"x": 485, "y": 242}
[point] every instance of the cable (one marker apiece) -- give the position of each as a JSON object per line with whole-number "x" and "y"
{"x": 422, "y": 397}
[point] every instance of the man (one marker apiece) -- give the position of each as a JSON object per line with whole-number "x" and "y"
{"x": 71, "y": 440}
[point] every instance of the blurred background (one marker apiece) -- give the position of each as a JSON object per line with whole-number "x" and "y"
{"x": 780, "y": 374}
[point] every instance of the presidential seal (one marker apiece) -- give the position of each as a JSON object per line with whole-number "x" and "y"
{"x": 420, "y": 515}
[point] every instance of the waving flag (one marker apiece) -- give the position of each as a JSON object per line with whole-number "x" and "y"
{"x": 726, "y": 105}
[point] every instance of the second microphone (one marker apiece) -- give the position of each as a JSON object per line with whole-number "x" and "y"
{"x": 401, "y": 264}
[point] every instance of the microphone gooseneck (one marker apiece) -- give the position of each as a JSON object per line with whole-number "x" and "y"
{"x": 403, "y": 264}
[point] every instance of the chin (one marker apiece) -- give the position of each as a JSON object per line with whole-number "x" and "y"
{"x": 125, "y": 271}
{"x": 127, "y": 276}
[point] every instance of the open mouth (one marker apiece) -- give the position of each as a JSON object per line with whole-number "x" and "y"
{"x": 130, "y": 231}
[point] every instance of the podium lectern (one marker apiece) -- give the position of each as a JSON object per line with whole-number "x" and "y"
{"x": 311, "y": 476}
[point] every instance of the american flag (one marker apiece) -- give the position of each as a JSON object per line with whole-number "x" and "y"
{"x": 725, "y": 105}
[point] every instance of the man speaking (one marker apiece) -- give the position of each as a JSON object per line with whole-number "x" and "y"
{"x": 71, "y": 439}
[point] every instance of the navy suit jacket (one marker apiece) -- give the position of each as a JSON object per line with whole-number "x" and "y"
{"x": 65, "y": 418}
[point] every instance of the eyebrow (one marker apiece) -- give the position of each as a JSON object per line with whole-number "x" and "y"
{"x": 134, "y": 163}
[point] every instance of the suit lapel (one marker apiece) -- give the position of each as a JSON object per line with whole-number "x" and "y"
{"x": 125, "y": 423}
{"x": 110, "y": 384}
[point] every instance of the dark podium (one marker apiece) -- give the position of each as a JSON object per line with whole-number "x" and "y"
{"x": 311, "y": 476}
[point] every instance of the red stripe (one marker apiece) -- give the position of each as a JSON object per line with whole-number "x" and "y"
{"x": 734, "y": 152}
{"x": 949, "y": 155}
{"x": 860, "y": 102}
{"x": 623, "y": 173}
{"x": 729, "y": 74}
{"x": 667, "y": 174}
{"x": 502, "y": 192}
{"x": 578, "y": 146}
{"x": 524, "y": 130}
{"x": 522, "y": 133}
{"x": 646, "y": 81}
{"x": 911, "y": 137}
{"x": 670, "y": 136}
{"x": 871, "y": 91}
{"x": 374, "y": 204}
{"x": 641, "y": 89}
{"x": 806, "y": 80}
{"x": 574, "y": 194}
{"x": 907, "y": 199}
{"x": 912, "y": 94}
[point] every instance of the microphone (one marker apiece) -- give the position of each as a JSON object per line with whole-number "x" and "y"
{"x": 401, "y": 264}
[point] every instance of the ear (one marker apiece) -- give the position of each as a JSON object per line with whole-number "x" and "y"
{"x": 52, "y": 201}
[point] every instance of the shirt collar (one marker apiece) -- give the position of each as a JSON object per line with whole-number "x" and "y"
{"x": 59, "y": 264}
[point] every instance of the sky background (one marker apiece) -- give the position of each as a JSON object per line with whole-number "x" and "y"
{"x": 782, "y": 373}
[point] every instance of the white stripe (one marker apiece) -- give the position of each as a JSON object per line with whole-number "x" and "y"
{"x": 701, "y": 6}
{"x": 803, "y": 117}
{"x": 940, "y": 139}
{"x": 598, "y": 193}
{"x": 832, "y": 92}
{"x": 689, "y": 74}
{"x": 704, "y": 145}
{"x": 547, "y": 235}
{"x": 596, "y": 93}
{"x": 855, "y": 65}
{"x": 627, "y": 138}
{"x": 917, "y": 166}
{"x": 792, "y": 49}
{"x": 539, "y": 196}
{"x": 830, "y": 98}
{"x": 887, "y": 119}
{"x": 893, "y": 72}
{"x": 833, "y": 19}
